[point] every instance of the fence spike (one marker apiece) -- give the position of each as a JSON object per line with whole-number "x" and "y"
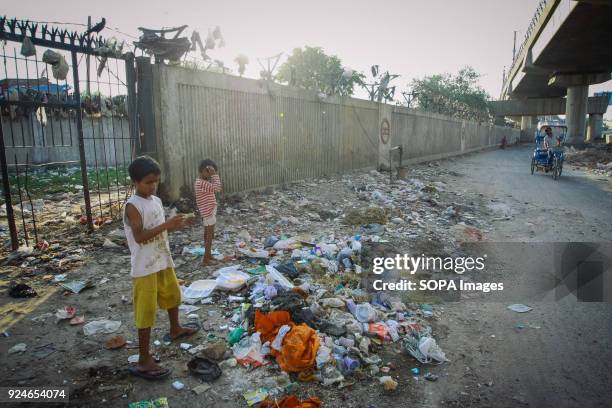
{"x": 12, "y": 24}
{"x": 33, "y": 29}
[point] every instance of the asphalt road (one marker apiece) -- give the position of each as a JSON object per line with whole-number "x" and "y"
{"x": 560, "y": 353}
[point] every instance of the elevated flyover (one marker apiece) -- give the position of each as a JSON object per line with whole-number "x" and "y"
{"x": 567, "y": 47}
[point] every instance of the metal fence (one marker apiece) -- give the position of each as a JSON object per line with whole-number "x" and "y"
{"x": 43, "y": 109}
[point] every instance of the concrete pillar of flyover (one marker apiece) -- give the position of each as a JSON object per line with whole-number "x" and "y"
{"x": 526, "y": 129}
{"x": 594, "y": 127}
{"x": 575, "y": 113}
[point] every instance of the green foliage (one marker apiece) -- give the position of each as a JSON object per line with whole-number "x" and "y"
{"x": 454, "y": 95}
{"x": 58, "y": 180}
{"x": 310, "y": 68}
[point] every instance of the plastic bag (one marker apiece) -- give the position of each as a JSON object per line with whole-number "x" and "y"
{"x": 254, "y": 253}
{"x": 60, "y": 70}
{"x": 323, "y": 356}
{"x": 268, "y": 324}
{"x": 27, "y": 48}
{"x": 285, "y": 244}
{"x": 51, "y": 57}
{"x": 270, "y": 292}
{"x": 248, "y": 351}
{"x": 199, "y": 289}
{"x": 328, "y": 250}
{"x": 278, "y": 341}
{"x": 101, "y": 326}
{"x": 363, "y": 312}
{"x": 431, "y": 350}
{"x": 299, "y": 349}
{"x": 231, "y": 280}
{"x": 332, "y": 302}
{"x": 378, "y": 329}
{"x": 330, "y": 265}
{"x": 278, "y": 277}
{"x": 225, "y": 269}
{"x": 330, "y": 375}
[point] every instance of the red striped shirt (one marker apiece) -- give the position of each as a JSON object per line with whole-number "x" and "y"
{"x": 205, "y": 194}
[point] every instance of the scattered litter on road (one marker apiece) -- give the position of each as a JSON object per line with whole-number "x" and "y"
{"x": 76, "y": 320}
{"x": 519, "y": 308}
{"x": 156, "y": 403}
{"x": 431, "y": 377}
{"x": 388, "y": 383}
{"x": 204, "y": 368}
{"x": 115, "y": 342}
{"x": 22, "y": 290}
{"x": 255, "y": 396}
{"x": 77, "y": 286}
{"x": 67, "y": 312}
{"x": 18, "y": 348}
{"x": 200, "y": 389}
{"x": 101, "y": 326}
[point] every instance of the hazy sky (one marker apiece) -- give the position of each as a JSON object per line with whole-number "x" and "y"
{"x": 412, "y": 38}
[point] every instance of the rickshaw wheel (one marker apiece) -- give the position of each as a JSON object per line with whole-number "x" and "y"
{"x": 555, "y": 169}
{"x": 560, "y": 168}
{"x": 532, "y": 165}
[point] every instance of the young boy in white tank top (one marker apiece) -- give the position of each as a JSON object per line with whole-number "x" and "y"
{"x": 153, "y": 279}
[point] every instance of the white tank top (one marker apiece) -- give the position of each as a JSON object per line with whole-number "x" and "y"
{"x": 153, "y": 255}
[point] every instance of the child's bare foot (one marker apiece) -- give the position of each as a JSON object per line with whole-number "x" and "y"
{"x": 209, "y": 262}
{"x": 182, "y": 332}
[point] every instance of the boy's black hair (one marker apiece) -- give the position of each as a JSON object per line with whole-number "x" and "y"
{"x": 206, "y": 163}
{"x": 143, "y": 166}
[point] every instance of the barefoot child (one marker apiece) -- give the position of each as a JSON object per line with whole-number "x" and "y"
{"x": 154, "y": 282}
{"x": 206, "y": 185}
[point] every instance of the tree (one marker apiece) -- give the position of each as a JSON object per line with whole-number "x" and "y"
{"x": 454, "y": 95}
{"x": 379, "y": 89}
{"x": 310, "y": 68}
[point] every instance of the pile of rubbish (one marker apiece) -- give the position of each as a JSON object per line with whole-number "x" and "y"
{"x": 284, "y": 314}
{"x": 597, "y": 159}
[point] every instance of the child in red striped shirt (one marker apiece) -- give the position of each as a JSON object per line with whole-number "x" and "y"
{"x": 206, "y": 185}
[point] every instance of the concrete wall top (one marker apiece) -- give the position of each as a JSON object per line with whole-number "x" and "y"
{"x": 253, "y": 86}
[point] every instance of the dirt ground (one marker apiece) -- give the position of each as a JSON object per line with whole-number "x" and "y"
{"x": 555, "y": 355}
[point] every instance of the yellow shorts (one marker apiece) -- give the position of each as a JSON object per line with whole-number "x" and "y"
{"x": 157, "y": 289}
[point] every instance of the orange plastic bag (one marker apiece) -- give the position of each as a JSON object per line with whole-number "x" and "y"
{"x": 291, "y": 401}
{"x": 268, "y": 324}
{"x": 299, "y": 349}
{"x": 300, "y": 345}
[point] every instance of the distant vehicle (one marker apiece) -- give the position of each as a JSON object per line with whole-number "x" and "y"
{"x": 551, "y": 159}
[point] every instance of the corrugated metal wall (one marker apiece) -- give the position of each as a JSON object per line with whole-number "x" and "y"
{"x": 259, "y": 140}
{"x": 264, "y": 134}
{"x": 428, "y": 134}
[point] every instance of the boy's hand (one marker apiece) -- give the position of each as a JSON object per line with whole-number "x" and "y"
{"x": 176, "y": 222}
{"x": 189, "y": 219}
